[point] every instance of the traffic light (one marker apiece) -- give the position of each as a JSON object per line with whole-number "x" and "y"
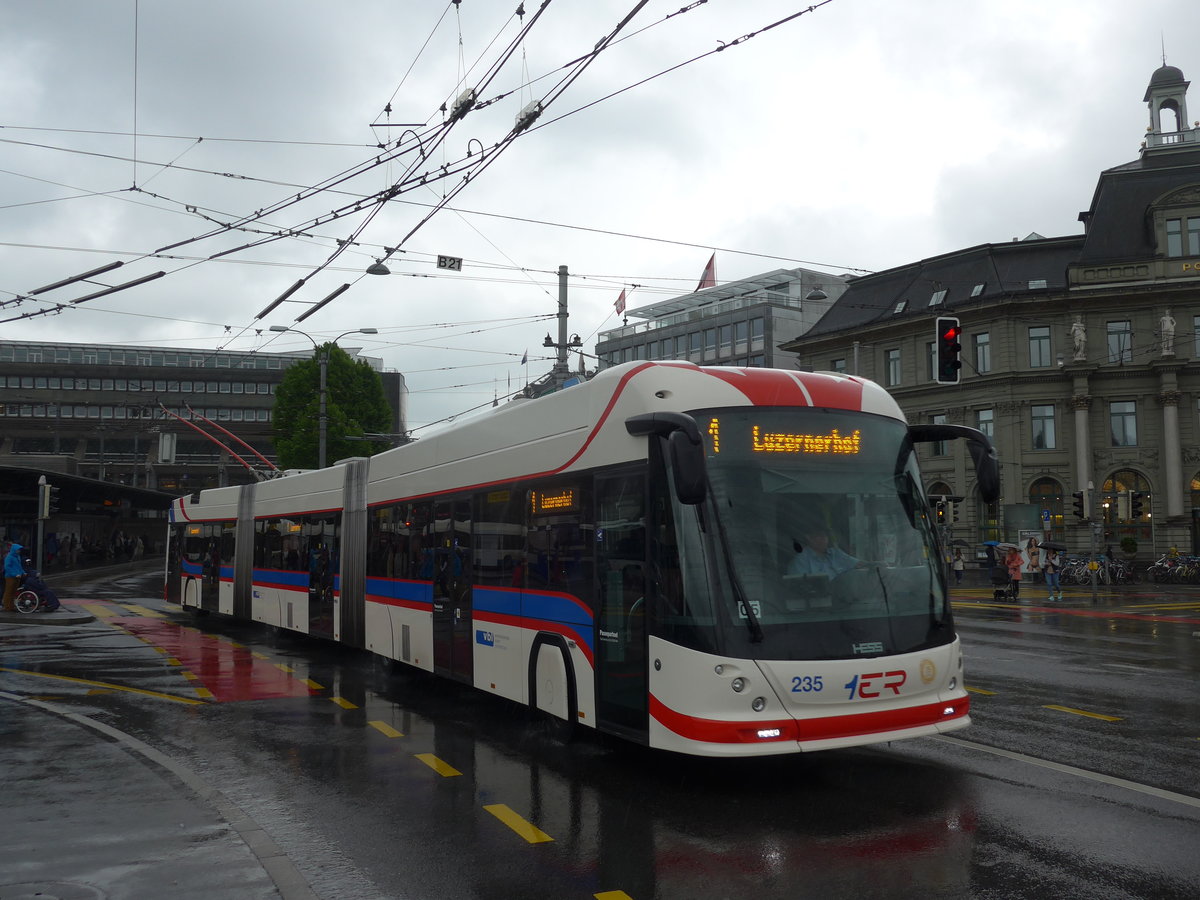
{"x": 1080, "y": 504}
{"x": 940, "y": 510}
{"x": 47, "y": 501}
{"x": 951, "y": 512}
{"x": 1136, "y": 505}
{"x": 948, "y": 340}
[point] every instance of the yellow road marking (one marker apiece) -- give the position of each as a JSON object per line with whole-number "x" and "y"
{"x": 101, "y": 611}
{"x": 530, "y": 832}
{"x": 437, "y": 765}
{"x": 282, "y": 668}
{"x": 258, "y": 655}
{"x": 385, "y": 729}
{"x": 203, "y": 692}
{"x": 172, "y": 661}
{"x": 143, "y": 611}
{"x": 314, "y": 685}
{"x": 344, "y": 703}
{"x": 612, "y": 895}
{"x": 1083, "y": 712}
{"x": 971, "y": 690}
{"x": 102, "y": 684}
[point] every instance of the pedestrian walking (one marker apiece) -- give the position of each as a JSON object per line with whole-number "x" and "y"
{"x": 1050, "y": 568}
{"x": 959, "y": 564}
{"x": 14, "y": 571}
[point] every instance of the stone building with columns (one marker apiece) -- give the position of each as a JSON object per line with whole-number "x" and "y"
{"x": 1081, "y": 355}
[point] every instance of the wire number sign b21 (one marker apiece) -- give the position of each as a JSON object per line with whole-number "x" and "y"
{"x": 453, "y": 263}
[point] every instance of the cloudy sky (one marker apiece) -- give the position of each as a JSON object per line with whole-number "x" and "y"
{"x": 215, "y": 140}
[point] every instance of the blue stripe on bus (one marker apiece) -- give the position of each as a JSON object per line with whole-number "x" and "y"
{"x": 401, "y": 589}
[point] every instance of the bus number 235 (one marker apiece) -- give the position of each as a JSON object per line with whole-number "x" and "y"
{"x": 807, "y": 684}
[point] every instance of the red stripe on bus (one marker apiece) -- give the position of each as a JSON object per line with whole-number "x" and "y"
{"x": 882, "y": 721}
{"x": 768, "y": 387}
{"x": 531, "y": 624}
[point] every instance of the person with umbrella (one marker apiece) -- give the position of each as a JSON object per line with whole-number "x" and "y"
{"x": 1013, "y": 562}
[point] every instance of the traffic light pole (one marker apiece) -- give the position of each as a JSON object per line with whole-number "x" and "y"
{"x": 43, "y": 505}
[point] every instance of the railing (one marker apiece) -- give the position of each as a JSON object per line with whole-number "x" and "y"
{"x": 1191, "y": 136}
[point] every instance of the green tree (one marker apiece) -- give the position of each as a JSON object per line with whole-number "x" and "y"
{"x": 355, "y": 404}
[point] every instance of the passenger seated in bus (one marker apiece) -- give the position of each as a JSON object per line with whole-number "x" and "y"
{"x": 815, "y": 556}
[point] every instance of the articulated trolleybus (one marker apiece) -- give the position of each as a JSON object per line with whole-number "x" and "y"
{"x": 712, "y": 561}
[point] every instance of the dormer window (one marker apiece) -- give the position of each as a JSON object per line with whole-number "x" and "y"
{"x": 899, "y": 307}
{"x": 937, "y": 297}
{"x": 1183, "y": 236}
{"x": 978, "y": 289}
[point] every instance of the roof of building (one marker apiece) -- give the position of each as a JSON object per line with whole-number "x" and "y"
{"x": 1163, "y": 76}
{"x": 1124, "y": 195}
{"x": 742, "y": 287}
{"x": 969, "y": 276}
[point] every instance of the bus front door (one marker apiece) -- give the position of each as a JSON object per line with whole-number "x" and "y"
{"x": 453, "y": 572}
{"x": 621, "y": 685}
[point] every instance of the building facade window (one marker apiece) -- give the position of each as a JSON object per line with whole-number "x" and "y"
{"x": 1120, "y": 482}
{"x": 931, "y": 359}
{"x": 757, "y": 334}
{"x": 983, "y": 353}
{"x": 1183, "y": 236}
{"x": 1122, "y": 420}
{"x": 1039, "y": 346}
{"x": 893, "y": 367}
{"x": 985, "y": 421}
{"x": 837, "y": 365}
{"x": 1042, "y": 420}
{"x": 1047, "y": 495}
{"x": 939, "y": 447}
{"x": 1120, "y": 341}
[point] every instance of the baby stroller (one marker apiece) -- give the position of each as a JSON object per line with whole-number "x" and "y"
{"x": 34, "y": 594}
{"x": 1001, "y": 583}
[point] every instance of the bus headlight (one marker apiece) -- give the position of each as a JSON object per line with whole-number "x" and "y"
{"x": 738, "y": 684}
{"x": 759, "y": 704}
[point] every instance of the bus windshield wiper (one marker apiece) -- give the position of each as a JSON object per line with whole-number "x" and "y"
{"x": 739, "y": 593}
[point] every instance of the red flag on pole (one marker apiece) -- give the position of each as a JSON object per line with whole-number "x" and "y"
{"x": 620, "y": 304}
{"x": 709, "y": 277}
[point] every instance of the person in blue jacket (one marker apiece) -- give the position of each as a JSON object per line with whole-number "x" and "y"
{"x": 14, "y": 571}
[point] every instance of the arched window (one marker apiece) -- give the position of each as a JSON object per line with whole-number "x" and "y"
{"x": 1116, "y": 501}
{"x": 1047, "y": 495}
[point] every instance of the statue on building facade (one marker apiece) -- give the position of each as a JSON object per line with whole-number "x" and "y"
{"x": 1166, "y": 326}
{"x": 1079, "y": 337}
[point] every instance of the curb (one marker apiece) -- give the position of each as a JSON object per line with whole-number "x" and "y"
{"x": 288, "y": 879}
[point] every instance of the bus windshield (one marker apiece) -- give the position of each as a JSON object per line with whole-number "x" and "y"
{"x": 819, "y": 523}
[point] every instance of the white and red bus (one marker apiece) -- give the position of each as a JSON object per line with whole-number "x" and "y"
{"x": 627, "y": 554}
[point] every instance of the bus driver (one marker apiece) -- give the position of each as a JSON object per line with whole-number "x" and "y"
{"x": 814, "y": 555}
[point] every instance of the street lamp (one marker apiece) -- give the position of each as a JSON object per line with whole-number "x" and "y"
{"x": 323, "y": 359}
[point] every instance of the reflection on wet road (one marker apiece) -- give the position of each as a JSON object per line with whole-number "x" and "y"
{"x": 385, "y": 782}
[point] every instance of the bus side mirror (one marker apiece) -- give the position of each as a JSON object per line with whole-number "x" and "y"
{"x": 983, "y": 454}
{"x": 687, "y": 465}
{"x": 685, "y": 450}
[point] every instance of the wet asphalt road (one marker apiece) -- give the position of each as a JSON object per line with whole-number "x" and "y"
{"x": 1077, "y": 779}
